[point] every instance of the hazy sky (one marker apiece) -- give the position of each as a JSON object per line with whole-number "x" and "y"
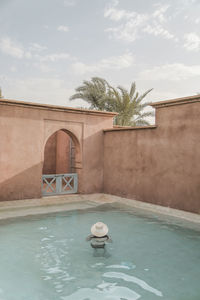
{"x": 48, "y": 47}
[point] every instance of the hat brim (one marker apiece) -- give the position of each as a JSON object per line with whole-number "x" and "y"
{"x": 99, "y": 233}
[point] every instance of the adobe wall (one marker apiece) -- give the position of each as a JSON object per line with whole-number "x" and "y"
{"x": 57, "y": 158}
{"x": 63, "y": 164}
{"x": 160, "y": 164}
{"x": 24, "y": 131}
{"x": 49, "y": 165}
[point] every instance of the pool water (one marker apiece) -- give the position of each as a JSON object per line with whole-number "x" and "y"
{"x": 47, "y": 258}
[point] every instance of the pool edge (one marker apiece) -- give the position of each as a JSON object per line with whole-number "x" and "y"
{"x": 19, "y": 208}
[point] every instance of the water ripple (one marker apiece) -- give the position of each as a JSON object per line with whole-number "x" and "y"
{"x": 133, "y": 279}
{"x": 113, "y": 293}
{"x": 122, "y": 266}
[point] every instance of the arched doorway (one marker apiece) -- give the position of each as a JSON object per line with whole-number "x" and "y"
{"x": 59, "y": 175}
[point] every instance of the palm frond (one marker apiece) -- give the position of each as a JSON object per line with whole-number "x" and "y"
{"x": 142, "y": 122}
{"x": 76, "y": 96}
{"x": 102, "y": 96}
{"x": 143, "y": 96}
{"x": 132, "y": 90}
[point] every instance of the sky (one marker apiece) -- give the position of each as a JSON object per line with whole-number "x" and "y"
{"x": 48, "y": 47}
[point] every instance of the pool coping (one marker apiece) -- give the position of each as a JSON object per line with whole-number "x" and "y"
{"x": 45, "y": 205}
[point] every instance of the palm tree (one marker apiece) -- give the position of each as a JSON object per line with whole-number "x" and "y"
{"x": 130, "y": 106}
{"x": 95, "y": 92}
{"x": 102, "y": 96}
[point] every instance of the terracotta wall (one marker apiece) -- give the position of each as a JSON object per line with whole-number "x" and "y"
{"x": 24, "y": 131}
{"x": 63, "y": 158}
{"x": 57, "y": 156}
{"x": 160, "y": 165}
{"x": 49, "y": 165}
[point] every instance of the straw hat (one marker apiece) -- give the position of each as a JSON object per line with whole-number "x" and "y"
{"x": 99, "y": 229}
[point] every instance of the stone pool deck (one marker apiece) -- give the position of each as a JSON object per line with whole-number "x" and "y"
{"x": 20, "y": 208}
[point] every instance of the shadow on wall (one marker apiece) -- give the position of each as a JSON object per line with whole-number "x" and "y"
{"x": 27, "y": 184}
{"x": 24, "y": 185}
{"x": 59, "y": 154}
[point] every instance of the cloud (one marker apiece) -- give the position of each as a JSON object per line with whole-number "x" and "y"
{"x": 43, "y": 90}
{"x": 130, "y": 30}
{"x": 44, "y": 68}
{"x": 173, "y": 72}
{"x": 159, "y": 13}
{"x": 63, "y": 28}
{"x": 115, "y": 14}
{"x": 18, "y": 51}
{"x": 13, "y": 69}
{"x": 53, "y": 57}
{"x": 133, "y": 24}
{"x": 36, "y": 47}
{"x": 158, "y": 30}
{"x": 192, "y": 42}
{"x": 10, "y": 48}
{"x": 112, "y": 63}
{"x": 69, "y": 2}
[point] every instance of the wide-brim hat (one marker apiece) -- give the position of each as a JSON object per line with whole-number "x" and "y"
{"x": 99, "y": 229}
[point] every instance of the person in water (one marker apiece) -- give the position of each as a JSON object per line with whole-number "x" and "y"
{"x": 99, "y": 235}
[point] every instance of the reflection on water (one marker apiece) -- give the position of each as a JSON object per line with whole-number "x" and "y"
{"x": 111, "y": 293}
{"x": 101, "y": 253}
{"x": 133, "y": 279}
{"x": 124, "y": 265}
{"x": 53, "y": 253}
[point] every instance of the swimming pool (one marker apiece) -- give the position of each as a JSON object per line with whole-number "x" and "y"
{"x": 46, "y": 257}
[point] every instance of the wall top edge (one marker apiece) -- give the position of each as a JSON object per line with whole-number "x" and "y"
{"x": 130, "y": 128}
{"x": 55, "y": 107}
{"x": 177, "y": 101}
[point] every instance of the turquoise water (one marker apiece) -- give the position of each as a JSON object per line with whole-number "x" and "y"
{"x": 47, "y": 258}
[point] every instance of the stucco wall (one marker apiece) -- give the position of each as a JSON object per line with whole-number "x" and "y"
{"x": 24, "y": 131}
{"x": 63, "y": 153}
{"x": 57, "y": 158}
{"x": 49, "y": 165}
{"x": 158, "y": 165}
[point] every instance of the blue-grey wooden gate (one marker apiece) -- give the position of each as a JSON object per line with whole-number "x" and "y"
{"x": 55, "y": 184}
